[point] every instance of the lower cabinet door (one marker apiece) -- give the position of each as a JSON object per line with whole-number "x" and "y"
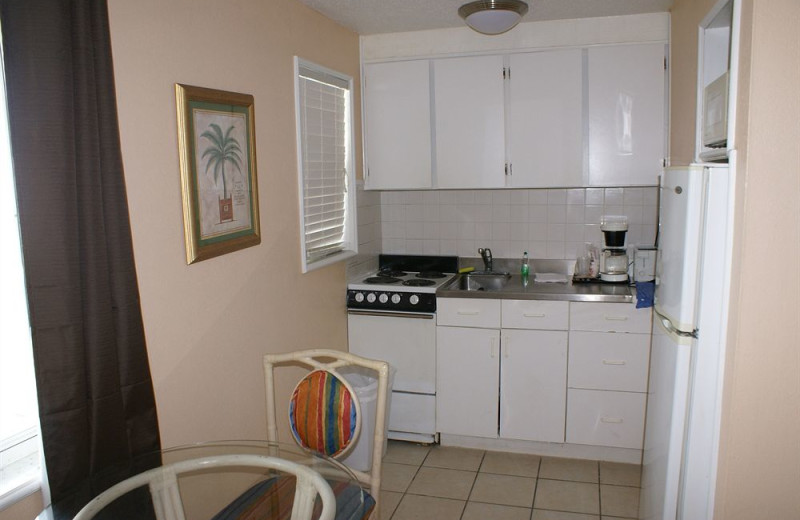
{"x": 605, "y": 418}
{"x": 467, "y": 374}
{"x": 533, "y": 385}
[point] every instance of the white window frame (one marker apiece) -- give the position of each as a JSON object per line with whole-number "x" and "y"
{"x": 350, "y": 239}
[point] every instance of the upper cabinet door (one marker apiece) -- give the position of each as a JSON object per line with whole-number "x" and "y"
{"x": 397, "y": 129}
{"x": 470, "y": 128}
{"x": 545, "y": 119}
{"x": 626, "y": 114}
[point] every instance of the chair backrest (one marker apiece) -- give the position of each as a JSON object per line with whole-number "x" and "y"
{"x": 324, "y": 411}
{"x": 165, "y": 492}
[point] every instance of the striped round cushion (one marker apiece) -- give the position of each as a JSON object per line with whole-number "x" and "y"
{"x": 322, "y": 413}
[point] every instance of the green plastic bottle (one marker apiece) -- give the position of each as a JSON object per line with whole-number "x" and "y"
{"x": 525, "y": 269}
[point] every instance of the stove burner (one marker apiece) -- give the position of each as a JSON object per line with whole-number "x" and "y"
{"x": 419, "y": 282}
{"x": 394, "y": 273}
{"x": 430, "y": 274}
{"x": 375, "y": 280}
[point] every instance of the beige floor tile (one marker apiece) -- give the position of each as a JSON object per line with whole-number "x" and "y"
{"x": 619, "y": 501}
{"x": 574, "y": 497}
{"x": 415, "y": 507}
{"x": 541, "y": 514}
{"x": 454, "y": 458}
{"x": 620, "y": 474}
{"x": 503, "y": 489}
{"x": 443, "y": 483}
{"x": 401, "y": 452}
{"x": 396, "y": 477}
{"x": 575, "y": 470}
{"x": 388, "y": 503}
{"x": 615, "y": 518}
{"x": 518, "y": 464}
{"x": 478, "y": 511}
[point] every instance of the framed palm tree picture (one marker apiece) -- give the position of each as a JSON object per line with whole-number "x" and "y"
{"x": 216, "y": 140}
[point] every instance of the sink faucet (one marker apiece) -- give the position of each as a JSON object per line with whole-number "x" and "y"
{"x": 486, "y": 254}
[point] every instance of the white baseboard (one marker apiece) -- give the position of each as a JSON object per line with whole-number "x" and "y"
{"x": 548, "y": 449}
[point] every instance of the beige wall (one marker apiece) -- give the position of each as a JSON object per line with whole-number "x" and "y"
{"x": 26, "y": 509}
{"x": 208, "y": 324}
{"x": 759, "y": 466}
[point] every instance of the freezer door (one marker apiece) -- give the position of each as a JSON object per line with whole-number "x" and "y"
{"x": 682, "y": 193}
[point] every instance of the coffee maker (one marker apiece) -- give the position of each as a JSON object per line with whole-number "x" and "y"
{"x": 614, "y": 256}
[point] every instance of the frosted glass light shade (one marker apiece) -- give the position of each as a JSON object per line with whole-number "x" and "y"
{"x": 493, "y": 16}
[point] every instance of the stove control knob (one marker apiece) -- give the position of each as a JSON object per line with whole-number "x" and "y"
{"x": 414, "y": 299}
{"x": 359, "y": 297}
{"x": 395, "y": 299}
{"x": 371, "y": 297}
{"x": 383, "y": 298}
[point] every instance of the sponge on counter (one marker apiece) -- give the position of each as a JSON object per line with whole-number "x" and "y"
{"x": 464, "y": 270}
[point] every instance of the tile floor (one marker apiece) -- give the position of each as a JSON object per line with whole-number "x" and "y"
{"x": 442, "y": 483}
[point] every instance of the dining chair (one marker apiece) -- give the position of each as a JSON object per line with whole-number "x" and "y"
{"x": 166, "y": 496}
{"x": 325, "y": 414}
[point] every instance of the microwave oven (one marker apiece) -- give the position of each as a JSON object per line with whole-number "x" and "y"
{"x": 715, "y": 113}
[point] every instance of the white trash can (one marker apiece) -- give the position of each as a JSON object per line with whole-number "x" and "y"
{"x": 365, "y": 385}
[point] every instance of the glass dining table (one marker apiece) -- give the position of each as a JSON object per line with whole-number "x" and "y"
{"x": 219, "y": 493}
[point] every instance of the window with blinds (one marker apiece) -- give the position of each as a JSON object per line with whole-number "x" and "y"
{"x": 325, "y": 164}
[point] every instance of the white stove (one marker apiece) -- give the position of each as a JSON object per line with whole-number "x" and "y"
{"x": 402, "y": 284}
{"x": 391, "y": 316}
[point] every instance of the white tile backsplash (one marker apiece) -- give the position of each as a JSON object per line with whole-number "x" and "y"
{"x": 548, "y": 223}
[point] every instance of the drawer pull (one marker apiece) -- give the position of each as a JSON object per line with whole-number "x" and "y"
{"x": 611, "y": 420}
{"x": 468, "y": 313}
{"x": 533, "y": 315}
{"x": 616, "y": 318}
{"x": 617, "y": 362}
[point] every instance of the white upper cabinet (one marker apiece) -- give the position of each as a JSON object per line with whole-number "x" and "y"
{"x": 626, "y": 114}
{"x": 545, "y": 119}
{"x": 469, "y": 122}
{"x": 397, "y": 125}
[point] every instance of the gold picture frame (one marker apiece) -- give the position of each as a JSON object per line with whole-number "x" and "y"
{"x": 217, "y": 145}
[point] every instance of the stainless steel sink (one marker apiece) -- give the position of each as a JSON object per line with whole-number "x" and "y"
{"x": 482, "y": 281}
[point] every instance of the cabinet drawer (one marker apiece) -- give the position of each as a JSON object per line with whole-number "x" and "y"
{"x": 468, "y": 312}
{"x": 603, "y": 418}
{"x": 608, "y": 361}
{"x": 535, "y": 314}
{"x": 609, "y": 317}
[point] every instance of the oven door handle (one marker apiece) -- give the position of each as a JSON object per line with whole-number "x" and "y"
{"x": 418, "y": 316}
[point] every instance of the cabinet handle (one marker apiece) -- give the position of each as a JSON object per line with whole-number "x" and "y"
{"x": 614, "y": 362}
{"x": 611, "y": 420}
{"x": 468, "y": 313}
{"x": 533, "y": 315}
{"x": 616, "y": 318}
{"x": 506, "y": 348}
{"x": 493, "y": 348}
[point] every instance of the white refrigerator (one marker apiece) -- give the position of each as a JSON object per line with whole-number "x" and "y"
{"x": 687, "y": 356}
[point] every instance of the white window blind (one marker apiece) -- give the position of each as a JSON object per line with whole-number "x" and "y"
{"x": 325, "y": 148}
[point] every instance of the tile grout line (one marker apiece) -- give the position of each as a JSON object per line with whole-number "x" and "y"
{"x": 466, "y": 502}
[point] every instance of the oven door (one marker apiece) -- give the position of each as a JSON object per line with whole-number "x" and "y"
{"x": 406, "y": 341}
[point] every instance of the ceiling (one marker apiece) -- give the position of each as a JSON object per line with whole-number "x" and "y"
{"x": 386, "y": 16}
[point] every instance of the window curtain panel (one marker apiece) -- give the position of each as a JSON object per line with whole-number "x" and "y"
{"x": 96, "y": 399}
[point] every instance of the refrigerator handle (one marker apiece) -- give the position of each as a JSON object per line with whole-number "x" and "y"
{"x": 672, "y": 329}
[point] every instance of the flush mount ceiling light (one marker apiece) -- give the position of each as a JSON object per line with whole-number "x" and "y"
{"x": 493, "y": 16}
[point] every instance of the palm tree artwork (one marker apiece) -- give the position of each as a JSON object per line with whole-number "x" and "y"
{"x": 223, "y": 150}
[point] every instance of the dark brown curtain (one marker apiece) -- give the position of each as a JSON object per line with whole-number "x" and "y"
{"x": 95, "y": 392}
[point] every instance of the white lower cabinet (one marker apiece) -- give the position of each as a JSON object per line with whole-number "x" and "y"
{"x": 603, "y": 418}
{"x": 467, "y": 376}
{"x": 546, "y": 371}
{"x": 533, "y": 380}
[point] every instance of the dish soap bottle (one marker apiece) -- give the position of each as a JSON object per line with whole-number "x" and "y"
{"x": 525, "y": 269}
